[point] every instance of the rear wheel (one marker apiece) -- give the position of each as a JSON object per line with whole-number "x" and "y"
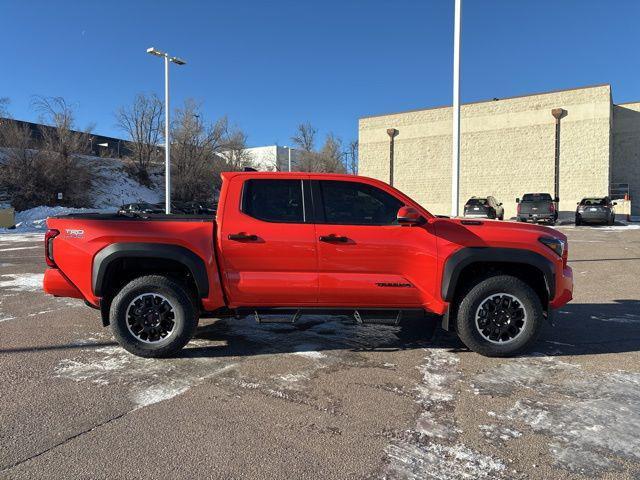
{"x": 578, "y": 221}
{"x": 612, "y": 220}
{"x": 499, "y": 317}
{"x": 153, "y": 316}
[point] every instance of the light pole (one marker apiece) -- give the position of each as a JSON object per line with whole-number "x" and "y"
{"x": 455, "y": 164}
{"x": 167, "y": 143}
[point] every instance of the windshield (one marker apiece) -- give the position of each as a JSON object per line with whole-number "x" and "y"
{"x": 536, "y": 197}
{"x": 477, "y": 201}
{"x": 593, "y": 201}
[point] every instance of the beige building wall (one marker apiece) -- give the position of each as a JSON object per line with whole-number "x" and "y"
{"x": 626, "y": 150}
{"x": 507, "y": 149}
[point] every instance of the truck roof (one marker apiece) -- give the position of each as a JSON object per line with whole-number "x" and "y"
{"x": 291, "y": 174}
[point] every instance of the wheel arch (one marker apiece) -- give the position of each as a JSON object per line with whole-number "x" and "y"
{"x": 526, "y": 264}
{"x": 143, "y": 258}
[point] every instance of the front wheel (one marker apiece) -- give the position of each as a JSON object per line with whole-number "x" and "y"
{"x": 499, "y": 317}
{"x": 153, "y": 316}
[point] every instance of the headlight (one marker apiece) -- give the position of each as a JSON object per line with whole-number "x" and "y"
{"x": 554, "y": 244}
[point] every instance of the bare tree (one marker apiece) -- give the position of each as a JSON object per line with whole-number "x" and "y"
{"x": 201, "y": 151}
{"x": 331, "y": 155}
{"x": 143, "y": 122}
{"x": 4, "y": 107}
{"x": 305, "y": 137}
{"x": 328, "y": 159}
{"x": 34, "y": 173}
{"x": 23, "y": 171}
{"x": 352, "y": 157}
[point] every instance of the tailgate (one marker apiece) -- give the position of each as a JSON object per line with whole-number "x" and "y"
{"x": 535, "y": 207}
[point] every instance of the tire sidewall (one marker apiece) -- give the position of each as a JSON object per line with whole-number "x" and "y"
{"x": 466, "y": 318}
{"x": 183, "y": 309}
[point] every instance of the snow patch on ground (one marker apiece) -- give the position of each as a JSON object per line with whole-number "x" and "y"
{"x": 309, "y": 351}
{"x": 149, "y": 380}
{"x": 17, "y": 248}
{"x": 22, "y": 282}
{"x": 8, "y": 237}
{"x": 431, "y": 449}
{"x": 5, "y": 316}
{"x": 588, "y": 417}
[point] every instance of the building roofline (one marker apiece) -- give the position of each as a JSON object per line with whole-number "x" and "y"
{"x": 597, "y": 85}
{"x": 625, "y": 103}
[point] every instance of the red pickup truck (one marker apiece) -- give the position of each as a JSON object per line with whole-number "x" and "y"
{"x": 289, "y": 243}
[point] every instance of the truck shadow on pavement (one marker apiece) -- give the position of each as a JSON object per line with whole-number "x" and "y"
{"x": 578, "y": 329}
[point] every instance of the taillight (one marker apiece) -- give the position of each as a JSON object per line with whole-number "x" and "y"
{"x": 48, "y": 246}
{"x": 552, "y": 207}
{"x": 518, "y": 209}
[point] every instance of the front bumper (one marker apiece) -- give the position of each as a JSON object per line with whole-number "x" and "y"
{"x": 564, "y": 288}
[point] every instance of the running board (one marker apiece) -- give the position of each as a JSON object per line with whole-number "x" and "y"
{"x": 362, "y": 316}
{"x": 276, "y": 318}
{"x": 378, "y": 317}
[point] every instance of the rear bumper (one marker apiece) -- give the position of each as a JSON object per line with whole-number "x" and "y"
{"x": 594, "y": 216}
{"x": 564, "y": 288}
{"x": 537, "y": 216}
{"x": 56, "y": 284}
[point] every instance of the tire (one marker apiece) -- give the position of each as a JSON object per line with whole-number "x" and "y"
{"x": 611, "y": 220}
{"x": 519, "y": 336}
{"x": 166, "y": 304}
{"x": 578, "y": 221}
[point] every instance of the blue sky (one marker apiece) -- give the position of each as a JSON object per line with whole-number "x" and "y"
{"x": 270, "y": 65}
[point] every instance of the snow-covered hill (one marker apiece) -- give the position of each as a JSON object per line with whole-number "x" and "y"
{"x": 112, "y": 188}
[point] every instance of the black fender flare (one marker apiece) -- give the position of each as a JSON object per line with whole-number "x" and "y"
{"x": 115, "y": 251}
{"x": 468, "y": 255}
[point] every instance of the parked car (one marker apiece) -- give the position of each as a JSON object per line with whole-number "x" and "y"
{"x": 537, "y": 207}
{"x": 484, "y": 207}
{"x": 300, "y": 242}
{"x": 595, "y": 210}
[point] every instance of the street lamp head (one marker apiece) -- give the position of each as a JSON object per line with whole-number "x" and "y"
{"x": 153, "y": 51}
{"x": 177, "y": 61}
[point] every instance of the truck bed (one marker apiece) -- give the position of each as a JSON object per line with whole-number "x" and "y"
{"x": 85, "y": 238}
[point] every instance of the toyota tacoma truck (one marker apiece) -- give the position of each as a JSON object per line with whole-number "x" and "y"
{"x": 292, "y": 243}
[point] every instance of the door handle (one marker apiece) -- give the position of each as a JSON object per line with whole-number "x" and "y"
{"x": 242, "y": 237}
{"x": 333, "y": 239}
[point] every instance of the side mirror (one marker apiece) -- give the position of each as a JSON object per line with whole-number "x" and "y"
{"x": 517, "y": 200}
{"x": 615, "y": 203}
{"x": 409, "y": 216}
{"x": 557, "y": 199}
{"x": 578, "y": 203}
{"x": 500, "y": 204}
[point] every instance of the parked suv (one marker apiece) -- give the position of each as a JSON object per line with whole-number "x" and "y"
{"x": 595, "y": 210}
{"x": 536, "y": 207}
{"x": 484, "y": 207}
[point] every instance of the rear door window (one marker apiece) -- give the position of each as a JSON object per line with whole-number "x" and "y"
{"x": 279, "y": 201}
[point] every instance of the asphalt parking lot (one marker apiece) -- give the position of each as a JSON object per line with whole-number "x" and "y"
{"x": 324, "y": 398}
